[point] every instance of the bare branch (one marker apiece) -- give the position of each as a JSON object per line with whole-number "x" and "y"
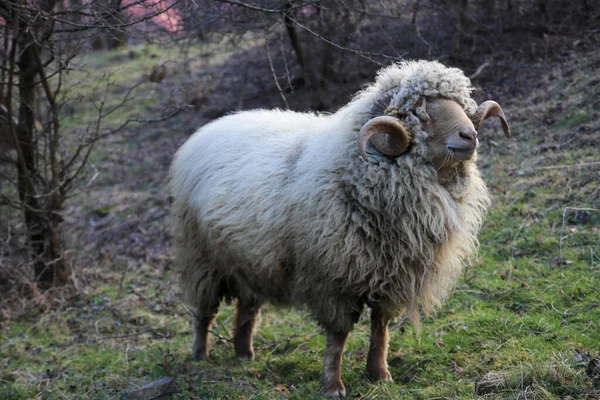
{"x": 268, "y": 10}
{"x": 275, "y": 75}
{"x": 364, "y": 54}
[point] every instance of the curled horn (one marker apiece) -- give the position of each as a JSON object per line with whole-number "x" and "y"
{"x": 490, "y": 109}
{"x": 385, "y": 132}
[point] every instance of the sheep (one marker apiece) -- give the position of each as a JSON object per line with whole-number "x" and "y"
{"x": 377, "y": 205}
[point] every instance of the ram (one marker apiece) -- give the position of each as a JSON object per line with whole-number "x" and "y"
{"x": 375, "y": 205}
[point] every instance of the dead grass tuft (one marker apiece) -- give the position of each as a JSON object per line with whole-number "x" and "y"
{"x": 19, "y": 293}
{"x": 492, "y": 382}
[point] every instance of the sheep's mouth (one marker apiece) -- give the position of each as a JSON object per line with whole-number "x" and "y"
{"x": 465, "y": 153}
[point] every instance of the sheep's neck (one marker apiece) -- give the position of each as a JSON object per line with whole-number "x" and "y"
{"x": 452, "y": 179}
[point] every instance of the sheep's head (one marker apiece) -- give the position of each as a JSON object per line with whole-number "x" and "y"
{"x": 452, "y": 134}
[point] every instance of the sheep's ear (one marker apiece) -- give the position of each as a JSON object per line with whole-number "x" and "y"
{"x": 387, "y": 135}
{"x": 490, "y": 109}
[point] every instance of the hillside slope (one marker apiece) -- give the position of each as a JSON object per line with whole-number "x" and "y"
{"x": 523, "y": 320}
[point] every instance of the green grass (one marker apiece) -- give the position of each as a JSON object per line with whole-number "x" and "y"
{"x": 526, "y": 310}
{"x": 116, "y": 84}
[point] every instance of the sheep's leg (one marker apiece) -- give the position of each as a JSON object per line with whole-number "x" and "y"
{"x": 245, "y": 321}
{"x": 331, "y": 376}
{"x": 376, "y": 360}
{"x": 202, "y": 325}
{"x": 206, "y": 310}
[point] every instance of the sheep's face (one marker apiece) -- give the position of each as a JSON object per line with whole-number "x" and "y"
{"x": 452, "y": 135}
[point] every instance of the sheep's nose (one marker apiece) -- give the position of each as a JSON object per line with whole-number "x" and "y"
{"x": 470, "y": 135}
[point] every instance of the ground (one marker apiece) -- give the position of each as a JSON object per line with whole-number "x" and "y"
{"x": 521, "y": 323}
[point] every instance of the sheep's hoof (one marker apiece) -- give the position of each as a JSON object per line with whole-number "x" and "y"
{"x": 335, "y": 390}
{"x": 381, "y": 375}
{"x": 245, "y": 355}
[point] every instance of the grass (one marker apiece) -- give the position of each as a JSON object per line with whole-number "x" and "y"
{"x": 117, "y": 84}
{"x": 520, "y": 324}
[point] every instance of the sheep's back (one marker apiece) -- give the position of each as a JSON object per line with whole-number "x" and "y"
{"x": 232, "y": 174}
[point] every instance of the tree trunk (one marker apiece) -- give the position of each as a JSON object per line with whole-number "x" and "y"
{"x": 461, "y": 6}
{"x": 415, "y": 10}
{"x": 116, "y": 37}
{"x": 4, "y": 64}
{"x": 586, "y": 10}
{"x": 111, "y": 36}
{"x": 40, "y": 211}
{"x": 303, "y": 57}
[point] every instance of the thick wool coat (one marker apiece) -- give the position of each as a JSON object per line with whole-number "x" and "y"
{"x": 278, "y": 206}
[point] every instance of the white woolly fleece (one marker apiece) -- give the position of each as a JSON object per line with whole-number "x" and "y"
{"x": 279, "y": 206}
{"x": 412, "y": 81}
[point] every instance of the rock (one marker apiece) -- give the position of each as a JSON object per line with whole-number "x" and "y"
{"x": 153, "y": 390}
{"x": 158, "y": 73}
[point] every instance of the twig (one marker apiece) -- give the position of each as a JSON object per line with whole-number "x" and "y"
{"x": 219, "y": 336}
{"x": 264, "y": 9}
{"x": 275, "y": 75}
{"x": 225, "y": 330}
{"x": 121, "y": 281}
{"x": 479, "y": 70}
{"x": 512, "y": 245}
{"x": 78, "y": 27}
{"x": 93, "y": 178}
{"x": 364, "y": 54}
{"x": 130, "y": 335}
{"x": 590, "y": 164}
{"x": 268, "y": 345}
{"x": 285, "y": 63}
{"x": 193, "y": 314}
{"x": 561, "y": 234}
{"x": 429, "y": 48}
